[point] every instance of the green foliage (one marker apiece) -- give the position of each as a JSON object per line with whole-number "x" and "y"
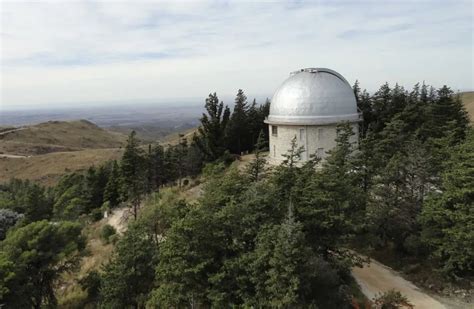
{"x": 237, "y": 248}
{"x": 399, "y": 192}
{"x": 26, "y": 198}
{"x": 257, "y": 167}
{"x": 112, "y": 188}
{"x": 287, "y": 273}
{"x": 161, "y": 211}
{"x": 96, "y": 180}
{"x": 211, "y": 140}
{"x": 403, "y": 167}
{"x": 235, "y": 132}
{"x": 128, "y": 277}
{"x": 106, "y": 232}
{"x": 8, "y": 219}
{"x": 330, "y": 202}
{"x": 91, "y": 284}
{"x": 448, "y": 215}
{"x": 33, "y": 257}
{"x": 258, "y": 238}
{"x": 133, "y": 173}
{"x": 391, "y": 300}
{"x": 238, "y": 129}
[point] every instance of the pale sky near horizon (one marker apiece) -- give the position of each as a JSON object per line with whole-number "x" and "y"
{"x": 87, "y": 52}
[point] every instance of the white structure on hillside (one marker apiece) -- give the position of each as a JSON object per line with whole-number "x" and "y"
{"x": 309, "y": 105}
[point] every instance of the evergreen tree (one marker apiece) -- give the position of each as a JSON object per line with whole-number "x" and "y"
{"x": 36, "y": 255}
{"x": 363, "y": 106}
{"x": 129, "y": 276}
{"x": 27, "y": 198}
{"x": 95, "y": 182}
{"x": 447, "y": 114}
{"x": 211, "y": 139}
{"x": 263, "y": 112}
{"x": 286, "y": 265}
{"x": 194, "y": 159}
{"x": 112, "y": 188}
{"x": 254, "y": 124}
{"x": 288, "y": 274}
{"x": 70, "y": 199}
{"x": 330, "y": 202}
{"x": 256, "y": 168}
{"x": 447, "y": 216}
{"x": 181, "y": 151}
{"x": 192, "y": 252}
{"x": 380, "y": 102}
{"x": 8, "y": 219}
{"x": 238, "y": 134}
{"x": 133, "y": 173}
{"x": 287, "y": 173}
{"x": 398, "y": 194}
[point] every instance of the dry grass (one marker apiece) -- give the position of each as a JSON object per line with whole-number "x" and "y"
{"x": 174, "y": 139}
{"x": 31, "y": 149}
{"x": 70, "y": 293}
{"x": 58, "y": 136}
{"x": 47, "y": 169}
{"x": 468, "y": 101}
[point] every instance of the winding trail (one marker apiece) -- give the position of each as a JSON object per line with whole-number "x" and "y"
{"x": 12, "y": 131}
{"x": 377, "y": 278}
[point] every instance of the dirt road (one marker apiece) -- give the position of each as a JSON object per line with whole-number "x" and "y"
{"x": 12, "y": 131}
{"x": 12, "y": 156}
{"x": 378, "y": 278}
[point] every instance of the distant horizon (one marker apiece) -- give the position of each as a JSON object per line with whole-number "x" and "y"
{"x": 77, "y": 53}
{"x": 158, "y": 102}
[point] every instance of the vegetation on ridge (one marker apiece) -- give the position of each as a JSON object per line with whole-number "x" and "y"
{"x": 258, "y": 237}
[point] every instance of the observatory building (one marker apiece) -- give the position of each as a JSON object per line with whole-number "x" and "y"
{"x": 309, "y": 105}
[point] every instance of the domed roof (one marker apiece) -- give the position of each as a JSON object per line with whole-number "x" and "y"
{"x": 313, "y": 96}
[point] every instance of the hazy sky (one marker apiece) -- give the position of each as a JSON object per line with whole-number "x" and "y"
{"x": 78, "y": 52}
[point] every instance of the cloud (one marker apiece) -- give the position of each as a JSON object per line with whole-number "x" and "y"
{"x": 55, "y": 52}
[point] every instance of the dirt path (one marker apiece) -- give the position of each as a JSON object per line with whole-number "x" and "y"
{"x": 12, "y": 131}
{"x": 12, "y": 156}
{"x": 118, "y": 219}
{"x": 378, "y": 278}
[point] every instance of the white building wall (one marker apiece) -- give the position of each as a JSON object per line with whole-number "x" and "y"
{"x": 315, "y": 140}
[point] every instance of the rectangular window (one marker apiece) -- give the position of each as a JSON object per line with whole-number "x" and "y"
{"x": 301, "y": 134}
{"x": 320, "y": 152}
{"x": 274, "y": 130}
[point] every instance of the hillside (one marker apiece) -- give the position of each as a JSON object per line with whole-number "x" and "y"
{"x": 468, "y": 100}
{"x": 57, "y": 136}
{"x": 174, "y": 138}
{"x": 48, "y": 168}
{"x": 46, "y": 151}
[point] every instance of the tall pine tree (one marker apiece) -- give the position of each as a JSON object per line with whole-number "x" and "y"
{"x": 133, "y": 173}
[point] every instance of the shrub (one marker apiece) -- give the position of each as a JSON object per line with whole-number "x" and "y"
{"x": 391, "y": 299}
{"x": 96, "y": 214}
{"x": 106, "y": 232}
{"x": 91, "y": 284}
{"x": 114, "y": 238}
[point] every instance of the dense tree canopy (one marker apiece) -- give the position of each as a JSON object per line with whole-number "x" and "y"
{"x": 33, "y": 257}
{"x": 257, "y": 236}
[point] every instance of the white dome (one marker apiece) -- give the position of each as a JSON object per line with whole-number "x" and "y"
{"x": 313, "y": 96}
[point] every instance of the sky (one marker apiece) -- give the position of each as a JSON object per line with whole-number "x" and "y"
{"x": 79, "y": 53}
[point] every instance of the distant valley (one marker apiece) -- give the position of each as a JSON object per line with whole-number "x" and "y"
{"x": 46, "y": 151}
